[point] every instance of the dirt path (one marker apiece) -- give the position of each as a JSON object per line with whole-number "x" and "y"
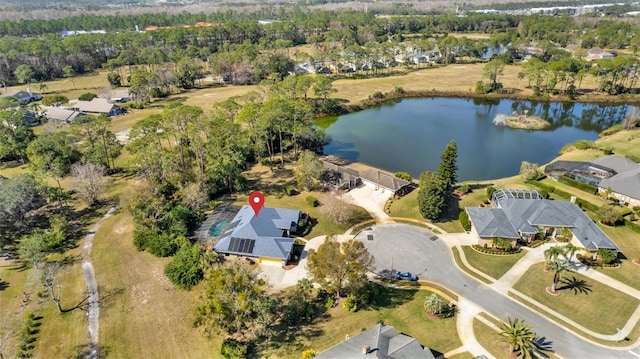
{"x": 93, "y": 311}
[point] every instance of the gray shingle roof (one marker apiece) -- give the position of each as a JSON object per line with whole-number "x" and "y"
{"x": 384, "y": 179}
{"x": 617, "y": 163}
{"x": 491, "y": 222}
{"x": 262, "y": 234}
{"x": 61, "y": 114}
{"x": 527, "y": 214}
{"x": 384, "y": 342}
{"x": 626, "y": 183}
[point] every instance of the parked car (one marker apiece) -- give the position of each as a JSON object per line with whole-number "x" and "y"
{"x": 406, "y": 276}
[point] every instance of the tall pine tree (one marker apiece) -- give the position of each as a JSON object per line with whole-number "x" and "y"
{"x": 432, "y": 195}
{"x": 448, "y": 169}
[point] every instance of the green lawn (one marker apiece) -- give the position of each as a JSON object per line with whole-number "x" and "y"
{"x": 490, "y": 340}
{"x": 585, "y": 301}
{"x": 494, "y": 266}
{"x": 404, "y": 311}
{"x": 456, "y": 257}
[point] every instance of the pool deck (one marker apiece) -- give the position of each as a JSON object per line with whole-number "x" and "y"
{"x": 223, "y": 212}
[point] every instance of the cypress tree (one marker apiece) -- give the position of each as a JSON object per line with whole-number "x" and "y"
{"x": 448, "y": 169}
{"x": 432, "y": 195}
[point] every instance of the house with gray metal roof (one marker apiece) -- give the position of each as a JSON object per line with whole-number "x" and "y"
{"x": 521, "y": 217}
{"x": 625, "y": 184}
{"x": 264, "y": 236}
{"x": 380, "y": 341}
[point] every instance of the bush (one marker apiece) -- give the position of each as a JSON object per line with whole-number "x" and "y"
{"x": 233, "y": 349}
{"x": 577, "y": 184}
{"x": 611, "y": 130}
{"x": 464, "y": 220}
{"x": 584, "y": 144}
{"x": 289, "y": 190}
{"x": 500, "y": 252}
{"x": 185, "y": 269}
{"x": 490, "y": 191}
{"x": 403, "y": 175}
{"x": 312, "y": 201}
{"x": 309, "y": 354}
{"x": 607, "y": 151}
{"x": 609, "y": 215}
{"x": 377, "y": 95}
{"x": 350, "y": 303}
{"x": 87, "y": 96}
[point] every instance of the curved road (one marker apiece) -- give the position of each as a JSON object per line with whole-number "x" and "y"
{"x": 414, "y": 249}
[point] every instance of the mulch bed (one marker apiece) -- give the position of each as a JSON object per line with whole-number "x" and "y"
{"x": 636, "y": 262}
{"x": 555, "y": 294}
{"x": 508, "y": 353}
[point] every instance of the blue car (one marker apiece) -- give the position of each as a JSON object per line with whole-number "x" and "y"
{"x": 406, "y": 276}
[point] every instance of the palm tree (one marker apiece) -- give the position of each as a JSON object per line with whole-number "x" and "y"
{"x": 552, "y": 254}
{"x": 519, "y": 337}
{"x": 569, "y": 250}
{"x": 606, "y": 255}
{"x": 565, "y": 233}
{"x": 558, "y": 267}
{"x": 434, "y": 304}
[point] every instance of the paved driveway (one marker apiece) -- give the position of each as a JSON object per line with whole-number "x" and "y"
{"x": 419, "y": 251}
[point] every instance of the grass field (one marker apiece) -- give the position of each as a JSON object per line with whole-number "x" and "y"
{"x": 581, "y": 299}
{"x": 142, "y": 315}
{"x": 494, "y": 266}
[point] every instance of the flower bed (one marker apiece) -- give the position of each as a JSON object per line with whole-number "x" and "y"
{"x": 495, "y": 251}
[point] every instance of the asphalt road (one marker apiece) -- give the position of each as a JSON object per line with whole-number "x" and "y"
{"x": 414, "y": 249}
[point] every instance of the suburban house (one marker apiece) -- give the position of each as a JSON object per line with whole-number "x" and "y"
{"x": 24, "y": 97}
{"x": 99, "y": 106}
{"x": 625, "y": 184}
{"x": 265, "y": 236}
{"x": 61, "y": 114}
{"x": 519, "y": 213}
{"x": 379, "y": 341}
{"x": 616, "y": 176}
{"x": 598, "y": 54}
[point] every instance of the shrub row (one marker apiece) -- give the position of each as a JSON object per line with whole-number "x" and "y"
{"x": 634, "y": 227}
{"x": 586, "y": 205}
{"x": 500, "y": 252}
{"x": 549, "y": 189}
{"x": 535, "y": 244}
{"x": 577, "y": 184}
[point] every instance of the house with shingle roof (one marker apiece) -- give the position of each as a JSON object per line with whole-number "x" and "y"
{"x": 380, "y": 341}
{"x": 625, "y": 184}
{"x": 99, "y": 106}
{"x": 23, "y": 96}
{"x": 61, "y": 114}
{"x": 519, "y": 217}
{"x": 382, "y": 181}
{"x": 265, "y": 236}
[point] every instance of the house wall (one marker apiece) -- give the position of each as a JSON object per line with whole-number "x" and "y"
{"x": 271, "y": 261}
{"x": 630, "y": 201}
{"x": 489, "y": 241}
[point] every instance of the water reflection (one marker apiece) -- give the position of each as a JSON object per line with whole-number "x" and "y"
{"x": 410, "y": 134}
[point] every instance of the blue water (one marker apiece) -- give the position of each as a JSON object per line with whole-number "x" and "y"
{"x": 410, "y": 134}
{"x": 216, "y": 229}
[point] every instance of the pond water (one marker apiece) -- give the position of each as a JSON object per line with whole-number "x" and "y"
{"x": 410, "y": 134}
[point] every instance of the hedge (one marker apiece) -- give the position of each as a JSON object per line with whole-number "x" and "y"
{"x": 549, "y": 189}
{"x": 496, "y": 251}
{"x": 577, "y": 184}
{"x": 634, "y": 227}
{"x": 586, "y": 205}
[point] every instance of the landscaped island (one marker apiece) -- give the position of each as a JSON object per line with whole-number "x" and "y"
{"x": 522, "y": 121}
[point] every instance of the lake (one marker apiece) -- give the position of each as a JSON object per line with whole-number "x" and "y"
{"x": 410, "y": 134}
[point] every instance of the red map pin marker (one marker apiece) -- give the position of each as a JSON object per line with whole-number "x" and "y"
{"x": 256, "y": 201}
